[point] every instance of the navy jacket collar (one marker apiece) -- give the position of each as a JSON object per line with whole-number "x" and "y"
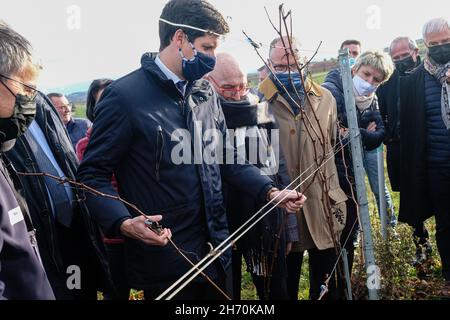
{"x": 149, "y": 65}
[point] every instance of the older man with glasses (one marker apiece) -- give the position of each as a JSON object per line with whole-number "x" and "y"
{"x": 298, "y": 110}
{"x": 22, "y": 275}
{"x": 66, "y": 238}
{"x": 264, "y": 248}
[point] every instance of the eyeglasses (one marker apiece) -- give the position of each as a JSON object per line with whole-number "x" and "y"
{"x": 65, "y": 107}
{"x": 27, "y": 90}
{"x": 229, "y": 91}
{"x": 284, "y": 67}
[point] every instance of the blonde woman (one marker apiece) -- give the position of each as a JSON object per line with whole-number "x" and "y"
{"x": 371, "y": 69}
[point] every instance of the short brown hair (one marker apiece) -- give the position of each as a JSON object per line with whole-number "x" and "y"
{"x": 279, "y": 39}
{"x": 350, "y": 42}
{"x": 378, "y": 60}
{"x": 196, "y": 13}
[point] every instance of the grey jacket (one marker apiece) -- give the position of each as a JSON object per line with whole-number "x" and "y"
{"x": 22, "y": 276}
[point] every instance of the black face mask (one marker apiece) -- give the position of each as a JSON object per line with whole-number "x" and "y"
{"x": 440, "y": 54}
{"x": 405, "y": 65}
{"x": 24, "y": 113}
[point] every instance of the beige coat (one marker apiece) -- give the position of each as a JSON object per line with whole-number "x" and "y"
{"x": 298, "y": 149}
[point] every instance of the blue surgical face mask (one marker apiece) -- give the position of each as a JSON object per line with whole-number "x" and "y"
{"x": 287, "y": 79}
{"x": 195, "y": 68}
{"x": 362, "y": 87}
{"x": 352, "y": 62}
{"x": 293, "y": 84}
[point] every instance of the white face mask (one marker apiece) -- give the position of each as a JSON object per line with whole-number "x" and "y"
{"x": 362, "y": 87}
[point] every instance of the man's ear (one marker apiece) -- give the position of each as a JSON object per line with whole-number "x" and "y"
{"x": 178, "y": 38}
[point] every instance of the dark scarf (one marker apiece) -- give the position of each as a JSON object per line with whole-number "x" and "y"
{"x": 248, "y": 112}
{"x": 239, "y": 114}
{"x": 258, "y": 244}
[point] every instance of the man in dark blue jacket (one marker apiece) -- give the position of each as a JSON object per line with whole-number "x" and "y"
{"x": 405, "y": 55}
{"x": 425, "y": 141}
{"x": 140, "y": 122}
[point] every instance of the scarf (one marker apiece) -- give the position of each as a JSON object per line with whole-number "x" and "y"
{"x": 439, "y": 71}
{"x": 248, "y": 112}
{"x": 258, "y": 245}
{"x": 363, "y": 102}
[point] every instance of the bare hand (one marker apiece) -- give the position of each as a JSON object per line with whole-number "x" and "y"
{"x": 448, "y": 76}
{"x": 372, "y": 127}
{"x": 288, "y": 247}
{"x": 291, "y": 200}
{"x": 136, "y": 229}
{"x": 343, "y": 132}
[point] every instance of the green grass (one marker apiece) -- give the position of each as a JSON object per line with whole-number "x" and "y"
{"x": 80, "y": 111}
{"x": 408, "y": 282}
{"x": 319, "y": 77}
{"x": 394, "y": 257}
{"x": 248, "y": 290}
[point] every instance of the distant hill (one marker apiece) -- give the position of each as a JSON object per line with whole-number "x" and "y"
{"x": 77, "y": 91}
{"x": 322, "y": 66}
{"x": 77, "y": 97}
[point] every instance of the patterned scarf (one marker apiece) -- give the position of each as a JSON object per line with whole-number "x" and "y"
{"x": 439, "y": 71}
{"x": 363, "y": 102}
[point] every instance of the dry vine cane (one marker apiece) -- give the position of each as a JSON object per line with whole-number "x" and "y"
{"x": 152, "y": 225}
{"x": 156, "y": 227}
{"x": 318, "y": 134}
{"x": 214, "y": 254}
{"x": 339, "y": 253}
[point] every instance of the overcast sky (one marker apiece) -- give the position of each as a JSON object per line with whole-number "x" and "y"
{"x": 112, "y": 35}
